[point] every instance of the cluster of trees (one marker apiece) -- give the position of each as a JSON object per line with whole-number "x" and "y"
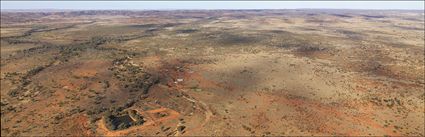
{"x": 187, "y": 31}
{"x": 25, "y": 81}
{"x": 125, "y": 121}
{"x": 94, "y": 113}
{"x": 310, "y": 48}
{"x": 58, "y": 117}
{"x": 133, "y": 76}
{"x": 109, "y": 121}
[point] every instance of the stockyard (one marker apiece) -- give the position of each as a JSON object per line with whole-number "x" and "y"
{"x": 212, "y": 72}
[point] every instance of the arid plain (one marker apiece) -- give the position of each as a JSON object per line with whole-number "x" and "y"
{"x": 212, "y": 72}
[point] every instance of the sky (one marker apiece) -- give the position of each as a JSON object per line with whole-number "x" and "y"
{"x": 169, "y": 5}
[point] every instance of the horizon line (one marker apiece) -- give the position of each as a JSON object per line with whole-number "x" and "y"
{"x": 210, "y": 5}
{"x": 58, "y": 9}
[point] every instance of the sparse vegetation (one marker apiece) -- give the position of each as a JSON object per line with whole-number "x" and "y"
{"x": 191, "y": 73}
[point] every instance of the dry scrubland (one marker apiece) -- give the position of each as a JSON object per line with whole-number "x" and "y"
{"x": 249, "y": 72}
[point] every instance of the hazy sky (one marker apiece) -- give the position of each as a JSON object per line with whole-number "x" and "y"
{"x": 211, "y": 5}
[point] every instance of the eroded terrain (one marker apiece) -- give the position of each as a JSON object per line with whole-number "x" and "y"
{"x": 213, "y": 72}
